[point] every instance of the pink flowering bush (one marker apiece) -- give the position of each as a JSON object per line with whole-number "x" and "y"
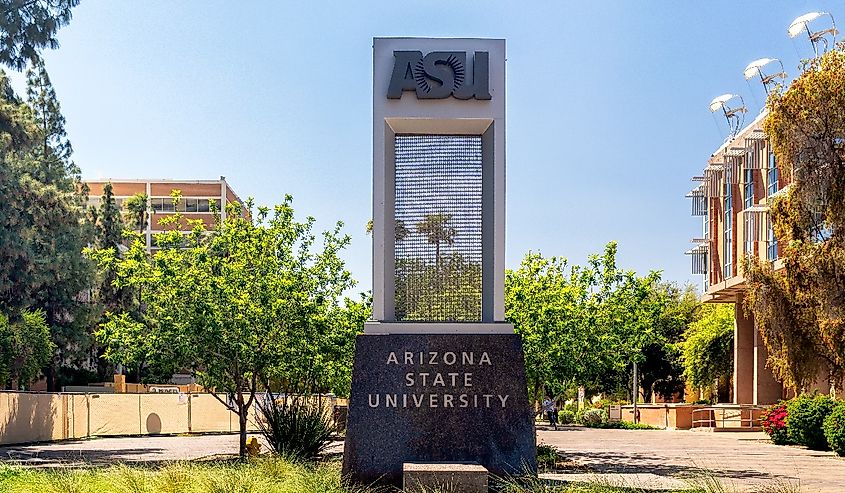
{"x": 773, "y": 420}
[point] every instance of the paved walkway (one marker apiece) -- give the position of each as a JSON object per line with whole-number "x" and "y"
{"x": 744, "y": 461}
{"x": 103, "y": 451}
{"x": 645, "y": 458}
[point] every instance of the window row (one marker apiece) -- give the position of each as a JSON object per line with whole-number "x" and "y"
{"x": 162, "y": 204}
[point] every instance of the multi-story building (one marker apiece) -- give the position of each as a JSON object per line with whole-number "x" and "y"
{"x": 733, "y": 197}
{"x": 199, "y": 199}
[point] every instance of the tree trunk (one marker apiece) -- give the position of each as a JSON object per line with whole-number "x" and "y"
{"x": 50, "y": 375}
{"x": 242, "y": 415}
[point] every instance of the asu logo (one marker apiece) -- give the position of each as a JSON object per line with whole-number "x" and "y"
{"x": 439, "y": 74}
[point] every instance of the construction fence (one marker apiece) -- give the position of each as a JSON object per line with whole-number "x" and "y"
{"x": 40, "y": 417}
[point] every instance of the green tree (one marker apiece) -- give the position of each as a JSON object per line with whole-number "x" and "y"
{"x": 25, "y": 348}
{"x": 661, "y": 370}
{"x": 61, "y": 227}
{"x": 237, "y": 306}
{"x": 53, "y": 150}
{"x": 137, "y": 212}
{"x": 545, "y": 299}
{"x": 43, "y": 225}
{"x": 799, "y": 309}
{"x": 110, "y": 298}
{"x": 28, "y": 26}
{"x": 708, "y": 346}
{"x": 436, "y": 229}
{"x": 586, "y": 325}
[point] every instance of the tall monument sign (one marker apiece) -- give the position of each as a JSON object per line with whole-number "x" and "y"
{"x": 438, "y": 374}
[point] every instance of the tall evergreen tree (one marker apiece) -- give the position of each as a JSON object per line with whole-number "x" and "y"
{"x": 110, "y": 298}
{"x": 43, "y": 228}
{"x": 53, "y": 150}
{"x": 28, "y": 26}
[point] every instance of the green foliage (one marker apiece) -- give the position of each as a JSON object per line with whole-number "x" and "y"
{"x": 566, "y": 416}
{"x": 25, "y": 348}
{"x": 52, "y": 150}
{"x": 581, "y": 325}
{"x": 137, "y": 212}
{"x": 799, "y": 309}
{"x": 263, "y": 475}
{"x": 708, "y": 345}
{"x": 108, "y": 235}
{"x": 295, "y": 430}
{"x": 546, "y": 457}
{"x": 834, "y": 428}
{"x": 254, "y": 300}
{"x": 624, "y": 425}
{"x": 594, "y": 417}
{"x": 450, "y": 287}
{"x": 43, "y": 224}
{"x": 28, "y": 26}
{"x": 661, "y": 368}
{"x": 805, "y": 420}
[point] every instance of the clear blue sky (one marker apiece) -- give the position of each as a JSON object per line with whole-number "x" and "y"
{"x": 607, "y": 105}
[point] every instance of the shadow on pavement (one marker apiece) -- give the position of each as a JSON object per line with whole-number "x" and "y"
{"x": 610, "y": 463}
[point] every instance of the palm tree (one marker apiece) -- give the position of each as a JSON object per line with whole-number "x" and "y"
{"x": 136, "y": 207}
{"x": 436, "y": 228}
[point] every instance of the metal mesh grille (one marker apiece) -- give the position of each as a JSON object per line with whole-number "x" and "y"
{"x": 438, "y": 228}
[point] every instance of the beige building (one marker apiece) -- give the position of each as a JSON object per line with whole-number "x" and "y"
{"x": 732, "y": 197}
{"x": 199, "y": 199}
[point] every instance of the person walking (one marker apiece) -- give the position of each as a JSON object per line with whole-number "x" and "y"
{"x": 550, "y": 410}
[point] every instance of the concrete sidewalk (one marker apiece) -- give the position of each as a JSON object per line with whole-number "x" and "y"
{"x": 147, "y": 449}
{"x": 743, "y": 461}
{"x": 641, "y": 458}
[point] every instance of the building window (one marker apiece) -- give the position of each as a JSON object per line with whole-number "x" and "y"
{"x": 748, "y": 239}
{"x": 771, "y": 242}
{"x": 749, "y": 188}
{"x": 162, "y": 204}
{"x": 822, "y": 231}
{"x": 728, "y": 223}
{"x": 772, "y": 178}
{"x": 186, "y": 204}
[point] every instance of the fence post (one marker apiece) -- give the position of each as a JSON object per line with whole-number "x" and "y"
{"x": 189, "y": 412}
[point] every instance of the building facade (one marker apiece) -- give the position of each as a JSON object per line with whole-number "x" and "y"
{"x": 732, "y": 198}
{"x": 199, "y": 199}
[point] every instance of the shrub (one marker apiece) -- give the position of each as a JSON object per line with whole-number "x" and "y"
{"x": 834, "y": 429}
{"x": 805, "y": 420}
{"x": 546, "y": 456}
{"x": 579, "y": 415}
{"x": 566, "y": 417}
{"x": 594, "y": 417}
{"x": 294, "y": 429}
{"x": 626, "y": 425}
{"x": 773, "y": 420}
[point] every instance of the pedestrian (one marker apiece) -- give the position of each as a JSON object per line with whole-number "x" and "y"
{"x": 550, "y": 410}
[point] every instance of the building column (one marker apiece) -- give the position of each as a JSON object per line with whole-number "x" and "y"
{"x": 148, "y": 205}
{"x": 767, "y": 390}
{"x": 744, "y": 363}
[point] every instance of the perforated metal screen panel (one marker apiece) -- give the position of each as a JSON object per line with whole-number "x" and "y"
{"x": 437, "y": 216}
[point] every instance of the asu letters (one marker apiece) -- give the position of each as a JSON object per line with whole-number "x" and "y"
{"x": 440, "y": 74}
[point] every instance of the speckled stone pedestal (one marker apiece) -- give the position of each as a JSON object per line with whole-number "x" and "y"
{"x": 438, "y": 398}
{"x": 444, "y": 476}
